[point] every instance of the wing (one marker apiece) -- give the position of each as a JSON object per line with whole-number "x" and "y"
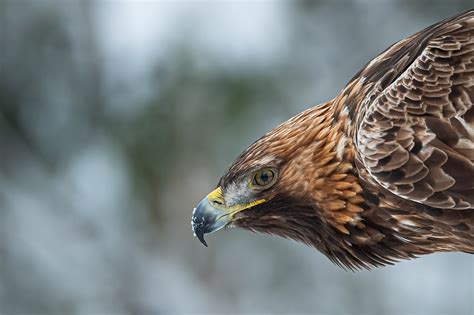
{"x": 415, "y": 125}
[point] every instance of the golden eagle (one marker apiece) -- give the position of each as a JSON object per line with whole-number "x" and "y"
{"x": 383, "y": 172}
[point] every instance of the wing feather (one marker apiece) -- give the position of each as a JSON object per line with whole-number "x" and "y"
{"x": 415, "y": 126}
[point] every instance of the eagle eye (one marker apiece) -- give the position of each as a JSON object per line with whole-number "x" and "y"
{"x": 264, "y": 178}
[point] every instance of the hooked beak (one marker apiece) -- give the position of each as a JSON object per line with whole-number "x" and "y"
{"x": 212, "y": 213}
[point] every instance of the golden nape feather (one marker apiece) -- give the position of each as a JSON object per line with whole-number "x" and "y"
{"x": 383, "y": 172}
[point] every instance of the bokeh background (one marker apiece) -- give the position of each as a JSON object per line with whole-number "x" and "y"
{"x": 117, "y": 117}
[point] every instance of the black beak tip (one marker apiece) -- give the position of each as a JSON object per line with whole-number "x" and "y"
{"x": 200, "y": 237}
{"x": 198, "y": 228}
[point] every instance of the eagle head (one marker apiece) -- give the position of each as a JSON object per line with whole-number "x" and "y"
{"x": 293, "y": 182}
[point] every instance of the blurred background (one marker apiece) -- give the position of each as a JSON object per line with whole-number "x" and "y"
{"x": 117, "y": 117}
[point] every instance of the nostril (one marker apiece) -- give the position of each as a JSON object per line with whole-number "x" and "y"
{"x": 217, "y": 202}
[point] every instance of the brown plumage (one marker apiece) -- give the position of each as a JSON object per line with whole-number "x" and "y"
{"x": 383, "y": 172}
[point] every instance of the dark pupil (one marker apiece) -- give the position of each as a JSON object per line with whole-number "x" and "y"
{"x": 264, "y": 177}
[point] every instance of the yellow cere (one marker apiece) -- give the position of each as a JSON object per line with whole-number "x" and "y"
{"x": 217, "y": 201}
{"x": 216, "y": 194}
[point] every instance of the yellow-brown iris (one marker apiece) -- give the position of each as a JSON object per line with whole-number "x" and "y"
{"x": 264, "y": 177}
